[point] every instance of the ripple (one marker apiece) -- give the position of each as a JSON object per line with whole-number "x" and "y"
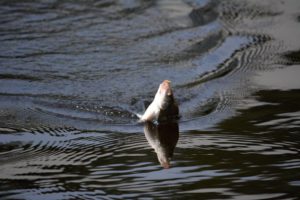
{"x": 205, "y": 14}
{"x": 289, "y": 164}
{"x": 88, "y": 111}
{"x": 20, "y": 77}
{"x": 43, "y": 152}
{"x": 246, "y": 144}
{"x": 238, "y": 12}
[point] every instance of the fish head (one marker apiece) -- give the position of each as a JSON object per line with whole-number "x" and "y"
{"x": 165, "y": 88}
{"x": 164, "y": 95}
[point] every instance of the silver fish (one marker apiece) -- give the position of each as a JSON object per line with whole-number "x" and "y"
{"x": 163, "y": 107}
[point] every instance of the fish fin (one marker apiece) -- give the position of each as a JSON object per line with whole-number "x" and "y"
{"x": 139, "y": 115}
{"x": 140, "y": 120}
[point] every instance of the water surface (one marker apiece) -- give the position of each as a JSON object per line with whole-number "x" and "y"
{"x": 73, "y": 75}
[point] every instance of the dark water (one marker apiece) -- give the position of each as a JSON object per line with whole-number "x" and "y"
{"x": 73, "y": 74}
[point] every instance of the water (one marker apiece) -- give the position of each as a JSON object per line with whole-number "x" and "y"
{"x": 73, "y": 74}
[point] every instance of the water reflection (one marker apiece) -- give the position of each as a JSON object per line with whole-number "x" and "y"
{"x": 163, "y": 139}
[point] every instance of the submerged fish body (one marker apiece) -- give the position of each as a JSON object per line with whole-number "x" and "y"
{"x": 163, "y": 107}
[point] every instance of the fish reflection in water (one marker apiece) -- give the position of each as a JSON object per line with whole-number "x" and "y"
{"x": 162, "y": 138}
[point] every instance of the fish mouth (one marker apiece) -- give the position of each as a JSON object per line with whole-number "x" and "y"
{"x": 165, "y": 87}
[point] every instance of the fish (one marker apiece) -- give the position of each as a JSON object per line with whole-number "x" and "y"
{"x": 163, "y": 107}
